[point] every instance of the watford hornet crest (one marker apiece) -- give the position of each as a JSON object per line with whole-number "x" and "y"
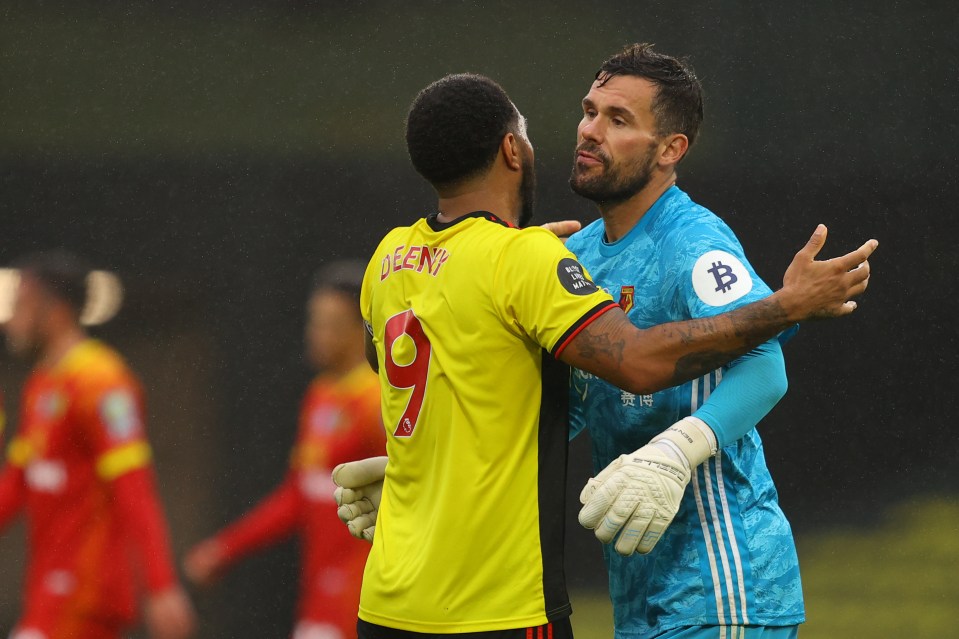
{"x": 626, "y": 299}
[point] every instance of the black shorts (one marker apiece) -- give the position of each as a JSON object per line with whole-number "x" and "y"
{"x": 559, "y": 629}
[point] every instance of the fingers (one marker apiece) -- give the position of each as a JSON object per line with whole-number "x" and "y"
{"x": 588, "y": 490}
{"x": 613, "y": 522}
{"x": 598, "y": 480}
{"x": 815, "y": 243}
{"x": 652, "y": 535}
{"x": 634, "y": 531}
{"x": 563, "y": 228}
{"x": 351, "y": 511}
{"x": 359, "y": 473}
{"x": 855, "y": 258}
{"x": 593, "y": 510}
{"x": 360, "y": 524}
{"x": 344, "y": 496}
{"x": 856, "y": 281}
{"x": 203, "y": 563}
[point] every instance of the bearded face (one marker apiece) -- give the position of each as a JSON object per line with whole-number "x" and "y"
{"x": 599, "y": 178}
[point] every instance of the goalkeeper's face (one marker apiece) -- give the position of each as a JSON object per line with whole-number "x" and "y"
{"x": 334, "y": 331}
{"x": 618, "y": 143}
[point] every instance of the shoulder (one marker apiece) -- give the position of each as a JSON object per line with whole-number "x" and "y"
{"x": 396, "y": 234}
{"x": 688, "y": 230}
{"x": 683, "y": 218}
{"x": 95, "y": 365}
{"x": 532, "y": 243}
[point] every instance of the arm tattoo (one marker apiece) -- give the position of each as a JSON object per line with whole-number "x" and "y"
{"x": 591, "y": 344}
{"x": 752, "y": 324}
{"x": 696, "y": 364}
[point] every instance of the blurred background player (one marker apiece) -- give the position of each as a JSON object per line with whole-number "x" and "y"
{"x": 339, "y": 421}
{"x": 80, "y": 467}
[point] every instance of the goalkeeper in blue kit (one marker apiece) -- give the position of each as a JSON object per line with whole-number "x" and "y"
{"x": 714, "y": 554}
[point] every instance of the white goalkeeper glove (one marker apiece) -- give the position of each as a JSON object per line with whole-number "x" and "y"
{"x": 359, "y": 487}
{"x": 638, "y": 494}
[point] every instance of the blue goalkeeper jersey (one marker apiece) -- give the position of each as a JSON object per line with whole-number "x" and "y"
{"x": 728, "y": 558}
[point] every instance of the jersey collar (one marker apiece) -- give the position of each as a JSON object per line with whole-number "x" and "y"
{"x": 436, "y": 225}
{"x": 608, "y": 249}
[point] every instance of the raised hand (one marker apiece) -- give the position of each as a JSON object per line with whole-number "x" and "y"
{"x": 819, "y": 289}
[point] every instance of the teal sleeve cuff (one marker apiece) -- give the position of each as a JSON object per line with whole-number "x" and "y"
{"x": 750, "y": 387}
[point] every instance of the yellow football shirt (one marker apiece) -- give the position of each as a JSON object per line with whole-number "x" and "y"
{"x": 470, "y": 528}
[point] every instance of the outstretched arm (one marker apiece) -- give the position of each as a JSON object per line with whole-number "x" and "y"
{"x": 643, "y": 361}
{"x": 270, "y": 521}
{"x": 167, "y": 610}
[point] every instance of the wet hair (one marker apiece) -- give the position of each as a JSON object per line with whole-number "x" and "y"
{"x": 342, "y": 276}
{"x": 678, "y": 105}
{"x": 61, "y": 273}
{"x": 455, "y": 126}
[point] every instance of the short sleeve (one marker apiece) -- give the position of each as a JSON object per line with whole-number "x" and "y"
{"x": 541, "y": 290}
{"x": 114, "y": 416}
{"x": 712, "y": 271}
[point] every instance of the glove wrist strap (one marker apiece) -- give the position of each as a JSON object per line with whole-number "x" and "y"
{"x": 690, "y": 438}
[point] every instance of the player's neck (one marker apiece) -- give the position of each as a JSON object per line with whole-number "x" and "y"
{"x": 483, "y": 195}
{"x": 61, "y": 343}
{"x": 619, "y": 218}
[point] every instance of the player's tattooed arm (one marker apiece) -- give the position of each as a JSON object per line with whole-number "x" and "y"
{"x": 595, "y": 344}
{"x": 642, "y": 361}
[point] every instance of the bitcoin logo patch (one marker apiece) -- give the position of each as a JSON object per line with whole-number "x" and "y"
{"x": 720, "y": 278}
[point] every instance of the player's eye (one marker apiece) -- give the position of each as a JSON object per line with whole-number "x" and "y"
{"x": 619, "y": 122}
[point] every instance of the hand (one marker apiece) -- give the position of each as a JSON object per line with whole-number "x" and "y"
{"x": 637, "y": 495}
{"x": 819, "y": 289}
{"x": 169, "y": 615}
{"x": 360, "y": 485}
{"x": 204, "y": 563}
{"x": 563, "y": 229}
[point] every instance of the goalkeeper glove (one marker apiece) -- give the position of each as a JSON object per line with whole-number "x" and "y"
{"x": 359, "y": 487}
{"x": 638, "y": 494}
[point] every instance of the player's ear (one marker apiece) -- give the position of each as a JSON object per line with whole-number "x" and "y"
{"x": 672, "y": 149}
{"x": 511, "y": 152}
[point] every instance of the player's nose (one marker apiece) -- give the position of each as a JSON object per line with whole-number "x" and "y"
{"x": 591, "y": 130}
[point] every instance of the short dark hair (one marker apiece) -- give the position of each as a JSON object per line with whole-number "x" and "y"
{"x": 455, "y": 126}
{"x": 342, "y": 276}
{"x": 678, "y": 106}
{"x": 61, "y": 273}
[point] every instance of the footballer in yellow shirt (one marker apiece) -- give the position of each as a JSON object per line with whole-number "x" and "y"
{"x": 461, "y": 313}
